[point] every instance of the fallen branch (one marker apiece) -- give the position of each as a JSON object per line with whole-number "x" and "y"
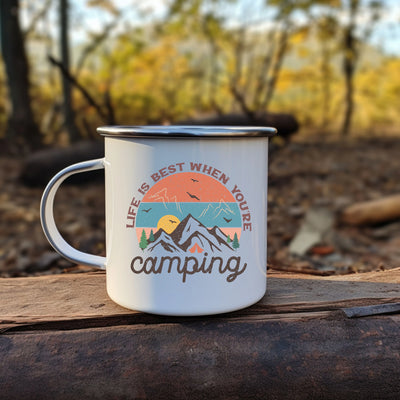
{"x": 372, "y": 212}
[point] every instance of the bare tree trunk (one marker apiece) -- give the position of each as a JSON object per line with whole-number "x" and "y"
{"x": 275, "y": 68}
{"x": 264, "y": 69}
{"x": 213, "y": 81}
{"x": 326, "y": 85}
{"x": 69, "y": 114}
{"x": 348, "y": 68}
{"x": 349, "y": 65}
{"x": 239, "y": 93}
{"x": 241, "y": 100}
{"x": 21, "y": 127}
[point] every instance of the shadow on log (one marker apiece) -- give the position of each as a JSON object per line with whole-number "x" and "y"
{"x": 41, "y": 166}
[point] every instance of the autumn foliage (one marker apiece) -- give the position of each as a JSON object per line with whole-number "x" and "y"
{"x": 197, "y": 59}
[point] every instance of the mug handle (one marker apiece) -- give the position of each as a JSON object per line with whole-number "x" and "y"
{"x": 47, "y": 216}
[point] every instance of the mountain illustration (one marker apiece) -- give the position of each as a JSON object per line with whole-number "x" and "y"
{"x": 207, "y": 210}
{"x": 216, "y": 211}
{"x": 190, "y": 232}
{"x": 223, "y": 208}
{"x": 162, "y": 239}
{"x": 162, "y": 195}
{"x": 218, "y": 234}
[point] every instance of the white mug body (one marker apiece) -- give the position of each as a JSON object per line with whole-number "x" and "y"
{"x": 186, "y": 223}
{"x": 186, "y": 217}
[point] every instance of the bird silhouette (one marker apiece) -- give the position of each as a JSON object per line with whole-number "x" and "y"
{"x": 146, "y": 211}
{"x": 194, "y": 180}
{"x": 227, "y": 220}
{"x": 172, "y": 221}
{"x": 193, "y": 196}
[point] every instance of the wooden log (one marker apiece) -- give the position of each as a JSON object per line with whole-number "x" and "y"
{"x": 41, "y": 166}
{"x": 63, "y": 338}
{"x": 372, "y": 212}
{"x": 324, "y": 358}
{"x": 286, "y": 124}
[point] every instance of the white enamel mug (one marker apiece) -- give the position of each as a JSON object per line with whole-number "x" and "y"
{"x": 186, "y": 217}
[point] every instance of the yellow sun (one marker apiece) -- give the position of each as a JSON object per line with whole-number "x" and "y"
{"x": 168, "y": 223}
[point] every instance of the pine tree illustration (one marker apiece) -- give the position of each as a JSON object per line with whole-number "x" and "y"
{"x": 235, "y": 243}
{"x": 151, "y": 237}
{"x": 229, "y": 239}
{"x": 143, "y": 240}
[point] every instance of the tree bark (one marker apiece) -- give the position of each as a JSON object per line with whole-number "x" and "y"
{"x": 214, "y": 70}
{"x": 69, "y": 114}
{"x": 275, "y": 68}
{"x": 349, "y": 65}
{"x": 264, "y": 69}
{"x": 348, "y": 69}
{"x": 325, "y": 70}
{"x": 21, "y": 127}
{"x": 72, "y": 342}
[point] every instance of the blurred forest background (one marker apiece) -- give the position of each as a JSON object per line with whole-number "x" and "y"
{"x": 69, "y": 66}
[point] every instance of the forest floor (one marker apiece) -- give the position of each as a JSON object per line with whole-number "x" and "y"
{"x": 308, "y": 176}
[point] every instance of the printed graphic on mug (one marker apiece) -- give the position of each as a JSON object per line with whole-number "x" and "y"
{"x": 190, "y": 220}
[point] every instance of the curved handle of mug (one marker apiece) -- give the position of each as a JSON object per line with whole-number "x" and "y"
{"x": 47, "y": 216}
